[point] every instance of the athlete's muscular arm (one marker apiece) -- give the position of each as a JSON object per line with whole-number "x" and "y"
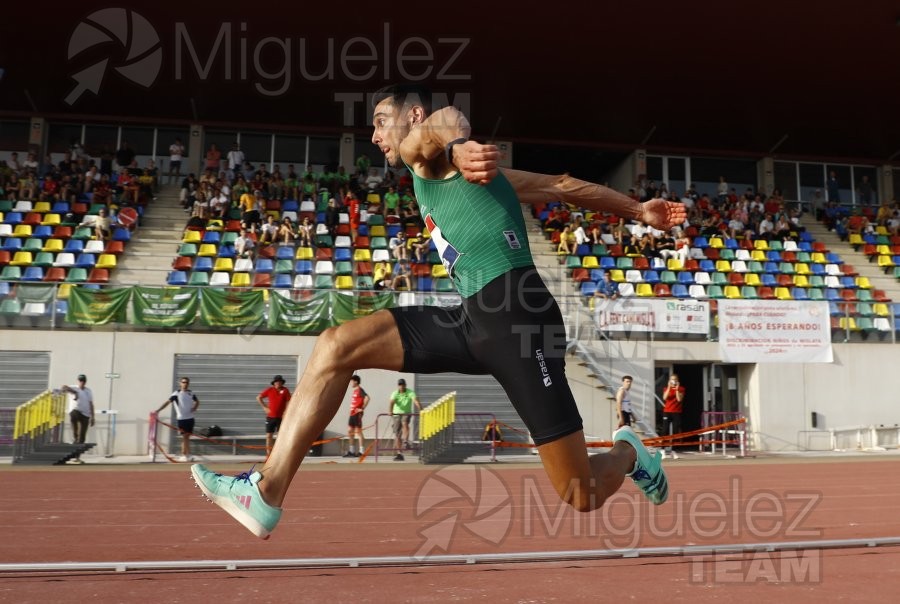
{"x": 542, "y": 188}
{"x": 426, "y": 144}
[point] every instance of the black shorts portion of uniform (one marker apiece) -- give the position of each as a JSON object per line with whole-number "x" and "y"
{"x": 272, "y": 424}
{"x": 513, "y": 330}
{"x": 186, "y": 425}
{"x": 355, "y": 421}
{"x": 626, "y": 418}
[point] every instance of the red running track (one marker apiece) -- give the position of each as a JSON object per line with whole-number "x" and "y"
{"x": 154, "y": 513}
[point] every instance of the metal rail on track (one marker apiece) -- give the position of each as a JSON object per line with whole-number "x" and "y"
{"x": 446, "y": 559}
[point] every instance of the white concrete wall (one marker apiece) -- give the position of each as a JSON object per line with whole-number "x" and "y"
{"x": 146, "y": 363}
{"x": 861, "y": 386}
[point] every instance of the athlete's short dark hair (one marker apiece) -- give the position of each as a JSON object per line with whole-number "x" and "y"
{"x": 405, "y": 94}
{"x": 627, "y": 377}
{"x": 356, "y": 378}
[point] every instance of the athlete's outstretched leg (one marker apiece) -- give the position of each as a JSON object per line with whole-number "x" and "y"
{"x": 371, "y": 342}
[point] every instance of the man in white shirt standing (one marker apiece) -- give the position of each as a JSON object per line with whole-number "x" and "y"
{"x": 81, "y": 411}
{"x": 176, "y": 154}
{"x": 185, "y": 403}
{"x": 235, "y": 161}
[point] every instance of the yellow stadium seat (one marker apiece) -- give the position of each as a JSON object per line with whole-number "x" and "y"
{"x": 881, "y": 309}
{"x": 438, "y": 271}
{"x": 214, "y": 224}
{"x": 208, "y": 249}
{"x": 51, "y": 220}
{"x": 64, "y": 290}
{"x": 589, "y": 262}
{"x": 22, "y": 230}
{"x": 758, "y": 255}
{"x": 863, "y": 283}
{"x": 855, "y": 239}
{"x": 53, "y": 245}
{"x": 239, "y": 279}
{"x": 304, "y": 253}
{"x": 801, "y": 268}
{"x": 344, "y": 282}
{"x": 225, "y": 265}
{"x": 783, "y": 293}
{"x": 373, "y": 198}
{"x": 848, "y": 323}
{"x": 674, "y": 264}
{"x": 801, "y": 281}
{"x": 41, "y": 206}
{"x": 617, "y": 275}
{"x": 22, "y": 259}
{"x": 191, "y": 237}
{"x": 881, "y": 230}
{"x": 107, "y": 261}
{"x": 818, "y": 258}
{"x": 761, "y": 244}
{"x": 723, "y": 266}
{"x": 644, "y": 290}
{"x": 362, "y": 255}
{"x": 733, "y": 292}
{"x": 377, "y": 231}
{"x": 752, "y": 279}
{"x": 716, "y": 242}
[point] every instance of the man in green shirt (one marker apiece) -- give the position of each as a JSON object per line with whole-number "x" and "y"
{"x": 402, "y": 402}
{"x": 391, "y": 202}
{"x": 508, "y": 325}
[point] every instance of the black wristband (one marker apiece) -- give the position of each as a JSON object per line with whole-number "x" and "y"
{"x": 448, "y": 150}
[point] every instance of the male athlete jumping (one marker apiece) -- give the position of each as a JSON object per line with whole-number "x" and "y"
{"x": 508, "y": 324}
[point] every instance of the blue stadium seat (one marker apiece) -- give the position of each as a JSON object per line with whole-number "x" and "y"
{"x": 731, "y": 244}
{"x": 588, "y": 288}
{"x": 303, "y": 267}
{"x": 60, "y": 207}
{"x": 799, "y": 293}
{"x": 11, "y": 245}
{"x": 848, "y": 282}
{"x": 770, "y": 267}
{"x": 707, "y": 266}
{"x": 596, "y": 275}
{"x": 343, "y": 254}
{"x": 363, "y": 230}
{"x": 651, "y": 277}
{"x": 392, "y": 230}
{"x": 42, "y": 232}
{"x": 805, "y": 246}
{"x": 211, "y": 237}
{"x": 264, "y": 265}
{"x": 203, "y": 264}
{"x": 833, "y": 258}
{"x": 806, "y": 237}
{"x": 700, "y": 242}
{"x": 685, "y": 278}
{"x": 227, "y": 251}
{"x": 767, "y": 280}
{"x": 85, "y": 261}
{"x": 283, "y": 280}
{"x": 817, "y": 269}
{"x": 284, "y": 253}
{"x": 424, "y": 284}
{"x": 679, "y": 290}
{"x": 582, "y": 250}
{"x": 773, "y": 256}
{"x": 177, "y": 278}
{"x": 290, "y": 205}
{"x": 74, "y": 246}
{"x": 33, "y": 273}
{"x": 13, "y": 218}
{"x": 121, "y": 234}
{"x": 4, "y": 289}
{"x": 832, "y": 294}
{"x": 607, "y": 262}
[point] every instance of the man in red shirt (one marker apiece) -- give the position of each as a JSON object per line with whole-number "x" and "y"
{"x": 277, "y": 397}
{"x": 358, "y": 401}
{"x": 354, "y": 215}
{"x": 673, "y": 399}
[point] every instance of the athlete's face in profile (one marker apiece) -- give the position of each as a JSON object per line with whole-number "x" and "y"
{"x": 390, "y": 130}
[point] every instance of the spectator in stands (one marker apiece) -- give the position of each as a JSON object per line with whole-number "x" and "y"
{"x": 782, "y": 229}
{"x": 244, "y": 244}
{"x": 305, "y": 232}
{"x": 893, "y": 223}
{"x": 309, "y": 186}
{"x": 341, "y": 179}
{"x": 864, "y": 191}
{"x": 400, "y": 407}
{"x": 286, "y": 232}
{"x": 401, "y": 280}
{"x": 237, "y": 191}
{"x": 621, "y": 233}
{"x": 833, "y": 187}
{"x": 91, "y": 178}
{"x": 13, "y": 162}
{"x": 270, "y": 231}
{"x": 277, "y": 188}
{"x": 145, "y": 184}
{"x": 213, "y": 158}
{"x": 391, "y": 202}
{"x": 100, "y": 224}
{"x": 647, "y": 246}
{"x": 884, "y": 213}
{"x": 276, "y": 398}
{"x": 124, "y": 156}
{"x": 722, "y": 190}
{"x": 373, "y": 180}
{"x": 201, "y": 207}
{"x": 27, "y": 186}
{"x": 81, "y": 411}
{"x": 332, "y": 216}
{"x": 50, "y": 189}
{"x": 607, "y": 289}
{"x": 736, "y": 226}
{"x": 682, "y": 247}
{"x": 220, "y": 202}
{"x": 566, "y": 241}
{"x": 580, "y": 236}
{"x": 31, "y": 163}
{"x": 673, "y": 406}
{"x": 420, "y": 246}
{"x": 359, "y": 400}
{"x": 354, "y": 209}
{"x": 235, "y": 159}
{"x": 292, "y": 183}
{"x": 253, "y": 207}
{"x": 176, "y": 155}
{"x": 102, "y": 191}
{"x": 362, "y": 165}
{"x": 381, "y": 275}
{"x": 397, "y": 246}
{"x": 185, "y": 403}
